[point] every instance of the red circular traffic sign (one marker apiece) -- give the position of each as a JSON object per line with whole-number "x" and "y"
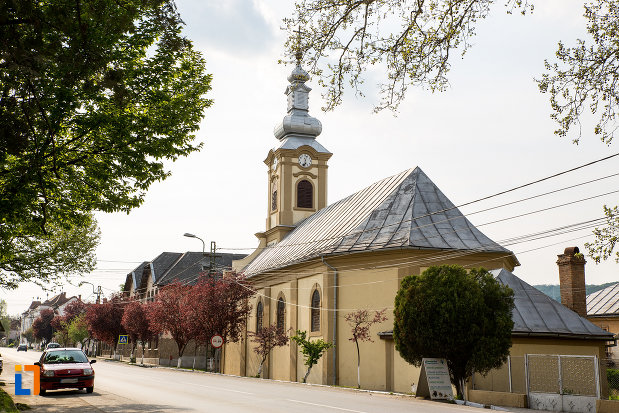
{"x": 217, "y": 341}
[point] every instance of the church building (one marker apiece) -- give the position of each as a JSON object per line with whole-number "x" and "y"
{"x": 316, "y": 262}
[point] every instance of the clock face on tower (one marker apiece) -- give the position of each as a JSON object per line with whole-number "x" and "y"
{"x": 305, "y": 160}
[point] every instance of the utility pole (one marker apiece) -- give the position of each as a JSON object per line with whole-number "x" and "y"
{"x": 99, "y": 293}
{"x": 211, "y": 266}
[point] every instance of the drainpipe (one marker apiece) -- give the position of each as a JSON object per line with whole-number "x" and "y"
{"x": 334, "y": 318}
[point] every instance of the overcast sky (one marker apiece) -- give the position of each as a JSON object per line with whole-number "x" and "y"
{"x": 489, "y": 132}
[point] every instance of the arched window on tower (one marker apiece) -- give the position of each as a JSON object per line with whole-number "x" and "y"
{"x": 273, "y": 196}
{"x": 281, "y": 313}
{"x": 259, "y": 314}
{"x": 315, "y": 311}
{"x": 305, "y": 194}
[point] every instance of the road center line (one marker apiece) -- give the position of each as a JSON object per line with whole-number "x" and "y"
{"x": 327, "y": 406}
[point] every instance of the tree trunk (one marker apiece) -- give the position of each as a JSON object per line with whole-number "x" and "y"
{"x": 142, "y": 352}
{"x": 307, "y": 374}
{"x": 181, "y": 350}
{"x": 260, "y": 368}
{"x": 358, "y": 366}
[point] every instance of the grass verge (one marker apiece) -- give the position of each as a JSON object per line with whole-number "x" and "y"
{"x": 6, "y": 403}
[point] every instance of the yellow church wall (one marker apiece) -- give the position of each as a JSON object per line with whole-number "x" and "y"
{"x": 372, "y": 290}
{"x": 306, "y": 287}
{"x": 404, "y": 374}
{"x": 233, "y": 358}
{"x": 279, "y": 360}
{"x": 365, "y": 280}
{"x": 252, "y": 360}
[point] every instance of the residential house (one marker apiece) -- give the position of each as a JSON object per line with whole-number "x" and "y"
{"x": 603, "y": 311}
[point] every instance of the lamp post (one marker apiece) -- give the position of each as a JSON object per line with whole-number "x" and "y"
{"x": 187, "y": 234}
{"x": 98, "y": 292}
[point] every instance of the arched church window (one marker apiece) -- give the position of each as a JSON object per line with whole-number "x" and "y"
{"x": 305, "y": 194}
{"x": 315, "y": 311}
{"x": 281, "y": 312}
{"x": 259, "y": 314}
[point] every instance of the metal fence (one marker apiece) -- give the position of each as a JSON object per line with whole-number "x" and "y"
{"x": 612, "y": 376}
{"x": 565, "y": 375}
{"x": 553, "y": 374}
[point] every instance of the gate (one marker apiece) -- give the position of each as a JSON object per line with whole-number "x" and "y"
{"x": 562, "y": 383}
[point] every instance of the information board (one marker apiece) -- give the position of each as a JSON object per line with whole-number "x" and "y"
{"x": 434, "y": 380}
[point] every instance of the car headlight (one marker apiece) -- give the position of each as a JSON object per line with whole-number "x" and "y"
{"x": 48, "y": 373}
{"x": 88, "y": 372}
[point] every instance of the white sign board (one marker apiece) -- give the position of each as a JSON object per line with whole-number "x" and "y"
{"x": 437, "y": 378}
{"x": 217, "y": 341}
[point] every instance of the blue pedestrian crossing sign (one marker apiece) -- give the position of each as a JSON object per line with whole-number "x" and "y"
{"x": 123, "y": 339}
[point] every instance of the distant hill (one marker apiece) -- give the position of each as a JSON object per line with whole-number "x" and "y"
{"x": 553, "y": 290}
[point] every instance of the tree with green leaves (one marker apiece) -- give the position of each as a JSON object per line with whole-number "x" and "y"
{"x": 415, "y": 42}
{"x": 78, "y": 329}
{"x": 463, "y": 317}
{"x": 29, "y": 335}
{"x": 606, "y": 237}
{"x": 312, "y": 350}
{"x": 94, "y": 98}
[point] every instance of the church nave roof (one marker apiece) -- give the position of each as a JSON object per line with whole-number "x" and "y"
{"x": 406, "y": 210}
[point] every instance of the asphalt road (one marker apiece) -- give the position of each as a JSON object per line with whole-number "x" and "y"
{"x": 123, "y": 388}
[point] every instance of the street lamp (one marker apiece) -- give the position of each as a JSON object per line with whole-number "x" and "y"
{"x": 188, "y": 235}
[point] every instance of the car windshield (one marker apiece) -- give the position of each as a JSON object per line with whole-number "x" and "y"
{"x": 65, "y": 356}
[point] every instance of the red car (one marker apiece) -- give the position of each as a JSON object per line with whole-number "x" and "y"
{"x": 66, "y": 368}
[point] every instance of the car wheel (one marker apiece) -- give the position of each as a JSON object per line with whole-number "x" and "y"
{"x": 42, "y": 392}
{"x": 90, "y": 389}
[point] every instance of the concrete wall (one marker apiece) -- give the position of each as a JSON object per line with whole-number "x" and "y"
{"x": 607, "y": 406}
{"x": 498, "y": 398}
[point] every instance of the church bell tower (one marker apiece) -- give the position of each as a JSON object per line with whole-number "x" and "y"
{"x": 297, "y": 168}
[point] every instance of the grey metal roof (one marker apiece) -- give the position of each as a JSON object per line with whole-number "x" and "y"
{"x": 604, "y": 302}
{"x": 137, "y": 273}
{"x": 189, "y": 266}
{"x": 536, "y": 314}
{"x": 294, "y": 142}
{"x": 298, "y": 120}
{"x": 162, "y": 263}
{"x": 406, "y": 210}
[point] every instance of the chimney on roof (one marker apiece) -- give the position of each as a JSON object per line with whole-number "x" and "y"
{"x": 572, "y": 280}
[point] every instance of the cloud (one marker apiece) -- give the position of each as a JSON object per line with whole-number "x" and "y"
{"x": 231, "y": 26}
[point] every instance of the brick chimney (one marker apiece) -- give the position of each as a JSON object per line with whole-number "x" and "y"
{"x": 572, "y": 279}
